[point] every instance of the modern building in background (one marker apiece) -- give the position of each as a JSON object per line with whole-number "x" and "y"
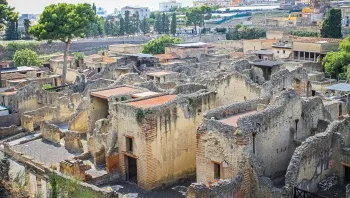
{"x": 211, "y": 3}
{"x": 166, "y": 6}
{"x": 101, "y": 12}
{"x": 144, "y": 12}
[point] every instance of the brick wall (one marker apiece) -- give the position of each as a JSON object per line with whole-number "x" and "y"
{"x": 8, "y": 120}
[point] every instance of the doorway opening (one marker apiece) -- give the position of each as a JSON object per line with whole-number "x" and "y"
{"x": 131, "y": 166}
{"x": 346, "y": 175}
{"x": 217, "y": 171}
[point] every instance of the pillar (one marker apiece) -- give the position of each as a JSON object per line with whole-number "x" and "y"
{"x": 298, "y": 55}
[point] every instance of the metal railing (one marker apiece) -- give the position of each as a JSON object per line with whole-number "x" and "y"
{"x": 299, "y": 193}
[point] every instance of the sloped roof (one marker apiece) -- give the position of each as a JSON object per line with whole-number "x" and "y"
{"x": 151, "y": 102}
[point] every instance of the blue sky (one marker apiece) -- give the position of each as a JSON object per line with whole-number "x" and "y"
{"x": 37, "y": 6}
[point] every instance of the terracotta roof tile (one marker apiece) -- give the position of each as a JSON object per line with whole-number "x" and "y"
{"x": 113, "y": 92}
{"x": 232, "y": 120}
{"x": 151, "y": 102}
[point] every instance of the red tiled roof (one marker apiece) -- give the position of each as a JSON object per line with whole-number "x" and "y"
{"x": 151, "y": 102}
{"x": 232, "y": 121}
{"x": 314, "y": 39}
{"x": 105, "y": 94}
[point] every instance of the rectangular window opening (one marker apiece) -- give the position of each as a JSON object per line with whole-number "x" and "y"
{"x": 217, "y": 171}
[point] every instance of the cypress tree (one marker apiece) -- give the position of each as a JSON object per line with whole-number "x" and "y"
{"x": 173, "y": 24}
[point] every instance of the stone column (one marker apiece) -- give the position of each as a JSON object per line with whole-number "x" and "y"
{"x": 298, "y": 55}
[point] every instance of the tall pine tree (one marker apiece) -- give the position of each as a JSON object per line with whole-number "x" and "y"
{"x": 331, "y": 27}
{"x": 144, "y": 26}
{"x": 165, "y": 23}
{"x": 158, "y": 26}
{"x": 173, "y": 24}
{"x": 127, "y": 22}
{"x": 121, "y": 26}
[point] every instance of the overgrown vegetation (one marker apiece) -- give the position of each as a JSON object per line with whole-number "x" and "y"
{"x": 67, "y": 188}
{"x": 26, "y": 57}
{"x": 47, "y": 86}
{"x": 336, "y": 63}
{"x": 305, "y": 34}
{"x": 123, "y": 98}
{"x": 157, "y": 46}
{"x": 141, "y": 115}
{"x": 243, "y": 32}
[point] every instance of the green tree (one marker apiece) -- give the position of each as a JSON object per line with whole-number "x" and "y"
{"x": 94, "y": 8}
{"x": 163, "y": 30}
{"x": 158, "y": 26}
{"x": 26, "y": 57}
{"x": 101, "y": 26}
{"x": 144, "y": 26}
{"x": 127, "y": 22}
{"x": 344, "y": 46}
{"x": 121, "y": 26}
{"x": 5, "y": 12}
{"x": 78, "y": 56}
{"x": 26, "y": 24}
{"x": 166, "y": 24}
{"x": 335, "y": 63}
{"x": 331, "y": 27}
{"x": 137, "y": 22}
{"x": 63, "y": 22}
{"x": 157, "y": 46}
{"x": 11, "y": 32}
{"x": 173, "y": 24}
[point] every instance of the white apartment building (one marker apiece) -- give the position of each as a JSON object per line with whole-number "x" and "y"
{"x": 144, "y": 12}
{"x": 166, "y": 6}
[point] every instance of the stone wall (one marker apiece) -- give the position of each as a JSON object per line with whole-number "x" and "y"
{"x": 231, "y": 87}
{"x": 319, "y": 157}
{"x": 78, "y": 121}
{"x": 72, "y": 142}
{"x": 204, "y": 38}
{"x": 221, "y": 189}
{"x": 51, "y": 132}
{"x": 8, "y": 120}
{"x": 31, "y": 120}
{"x": 8, "y": 131}
{"x": 164, "y": 138}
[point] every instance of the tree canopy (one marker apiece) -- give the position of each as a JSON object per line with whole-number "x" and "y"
{"x": 157, "y": 46}
{"x": 26, "y": 57}
{"x": 331, "y": 27}
{"x": 173, "y": 24}
{"x": 63, "y": 22}
{"x": 336, "y": 63}
{"x": 197, "y": 15}
{"x": 5, "y": 13}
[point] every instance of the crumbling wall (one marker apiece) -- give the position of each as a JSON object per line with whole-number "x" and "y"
{"x": 10, "y": 119}
{"x": 72, "y": 142}
{"x": 317, "y": 158}
{"x": 51, "y": 132}
{"x": 272, "y": 129}
{"x": 25, "y": 99}
{"x": 31, "y": 120}
{"x": 231, "y": 87}
{"x": 188, "y": 88}
{"x": 297, "y": 79}
{"x": 78, "y": 121}
{"x": 8, "y": 131}
{"x": 221, "y": 189}
{"x": 130, "y": 79}
{"x": 163, "y": 137}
